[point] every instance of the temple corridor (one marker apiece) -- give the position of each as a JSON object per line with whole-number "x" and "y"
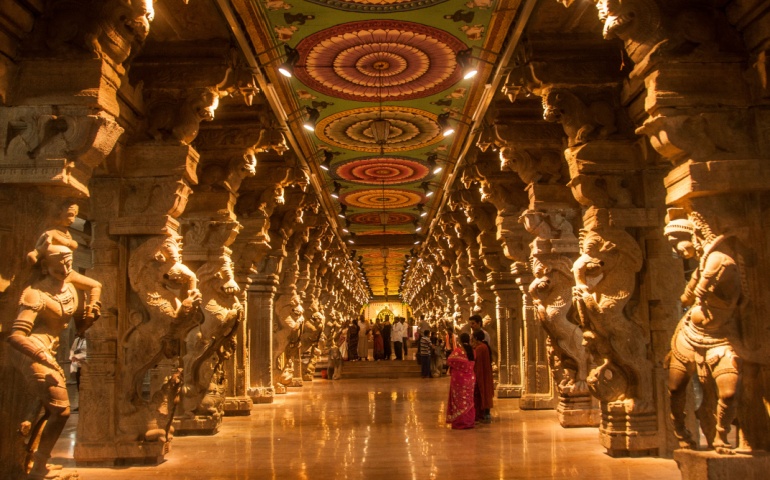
{"x": 207, "y": 206}
{"x": 382, "y": 429}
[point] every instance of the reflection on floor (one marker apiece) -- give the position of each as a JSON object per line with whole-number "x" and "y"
{"x": 381, "y": 428}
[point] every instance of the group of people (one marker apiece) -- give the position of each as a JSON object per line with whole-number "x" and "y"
{"x": 387, "y": 338}
{"x": 471, "y": 387}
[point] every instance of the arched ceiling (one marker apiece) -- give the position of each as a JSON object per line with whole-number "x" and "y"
{"x": 360, "y": 60}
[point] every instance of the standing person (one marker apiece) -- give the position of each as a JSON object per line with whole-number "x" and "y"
{"x": 378, "y": 343}
{"x": 353, "y": 330}
{"x": 424, "y": 352}
{"x": 407, "y": 336}
{"x": 424, "y": 324}
{"x": 386, "y": 333}
{"x": 484, "y": 390}
{"x": 363, "y": 338}
{"x": 77, "y": 356}
{"x": 460, "y": 410}
{"x": 476, "y": 325}
{"x": 399, "y": 334}
{"x": 342, "y": 340}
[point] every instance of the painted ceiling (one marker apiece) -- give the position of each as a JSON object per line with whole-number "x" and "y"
{"x": 356, "y": 61}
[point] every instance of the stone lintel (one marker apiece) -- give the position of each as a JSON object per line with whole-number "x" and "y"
{"x": 550, "y": 197}
{"x": 696, "y": 179}
{"x": 709, "y": 465}
{"x": 604, "y": 157}
{"x": 152, "y": 159}
{"x": 144, "y": 225}
{"x": 218, "y": 205}
{"x": 91, "y": 83}
{"x": 710, "y": 86}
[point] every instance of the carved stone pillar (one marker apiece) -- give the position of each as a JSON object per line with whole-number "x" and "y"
{"x": 697, "y": 119}
{"x": 135, "y": 241}
{"x": 259, "y": 321}
{"x": 509, "y": 328}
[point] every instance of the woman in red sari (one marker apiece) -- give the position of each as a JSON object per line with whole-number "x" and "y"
{"x": 460, "y": 411}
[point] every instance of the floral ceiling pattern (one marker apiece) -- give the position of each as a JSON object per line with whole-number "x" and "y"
{"x": 357, "y": 61}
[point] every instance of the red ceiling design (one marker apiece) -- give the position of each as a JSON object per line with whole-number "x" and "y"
{"x": 366, "y": 61}
{"x": 378, "y": 170}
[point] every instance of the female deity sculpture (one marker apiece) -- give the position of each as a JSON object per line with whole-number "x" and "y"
{"x": 47, "y": 305}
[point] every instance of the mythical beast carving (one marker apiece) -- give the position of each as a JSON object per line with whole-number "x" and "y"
{"x": 207, "y": 343}
{"x": 605, "y": 279}
{"x": 165, "y": 302}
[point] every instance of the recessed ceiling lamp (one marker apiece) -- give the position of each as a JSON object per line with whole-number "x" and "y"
{"x": 443, "y": 124}
{"x": 426, "y": 188}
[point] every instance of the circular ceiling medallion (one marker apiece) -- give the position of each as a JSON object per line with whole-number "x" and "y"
{"x": 377, "y": 6}
{"x": 373, "y": 218}
{"x": 378, "y": 170}
{"x": 391, "y": 198}
{"x": 410, "y": 128}
{"x": 381, "y": 59}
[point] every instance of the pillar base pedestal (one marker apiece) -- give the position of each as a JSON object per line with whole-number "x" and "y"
{"x": 197, "y": 425}
{"x": 578, "y": 411}
{"x": 709, "y": 465}
{"x": 509, "y": 391}
{"x": 628, "y": 433}
{"x": 121, "y": 454}
{"x": 261, "y": 394}
{"x": 238, "y": 406}
{"x": 537, "y": 402}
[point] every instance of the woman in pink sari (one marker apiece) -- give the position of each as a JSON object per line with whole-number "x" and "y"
{"x": 460, "y": 410}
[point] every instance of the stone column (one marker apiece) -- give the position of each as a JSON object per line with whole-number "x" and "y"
{"x": 703, "y": 112}
{"x": 59, "y": 122}
{"x": 509, "y": 327}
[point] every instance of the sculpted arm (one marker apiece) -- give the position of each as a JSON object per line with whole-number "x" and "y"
{"x": 31, "y": 304}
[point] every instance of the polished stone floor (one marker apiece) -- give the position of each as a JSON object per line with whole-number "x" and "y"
{"x": 382, "y": 429}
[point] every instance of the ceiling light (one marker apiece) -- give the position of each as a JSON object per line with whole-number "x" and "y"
{"x": 344, "y": 229}
{"x": 328, "y": 157}
{"x": 337, "y": 188}
{"x": 313, "y": 115}
{"x": 465, "y": 61}
{"x": 343, "y": 209}
{"x": 351, "y": 241}
{"x": 287, "y": 67}
{"x": 444, "y": 125}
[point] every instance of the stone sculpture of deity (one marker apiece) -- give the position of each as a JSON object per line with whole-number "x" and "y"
{"x": 706, "y": 338}
{"x": 48, "y": 303}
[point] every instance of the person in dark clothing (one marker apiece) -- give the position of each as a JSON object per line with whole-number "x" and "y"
{"x": 425, "y": 350}
{"x": 484, "y": 390}
{"x": 386, "y": 329}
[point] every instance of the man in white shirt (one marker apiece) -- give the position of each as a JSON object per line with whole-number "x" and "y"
{"x": 398, "y": 333}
